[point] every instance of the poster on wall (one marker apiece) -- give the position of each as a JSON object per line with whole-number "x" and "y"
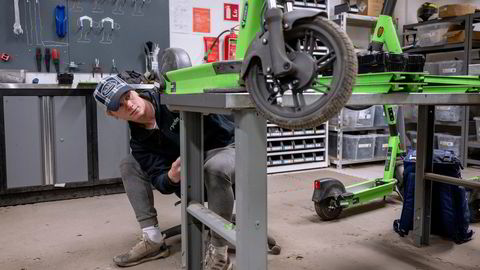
{"x": 214, "y": 54}
{"x": 230, "y": 12}
{"x": 201, "y": 20}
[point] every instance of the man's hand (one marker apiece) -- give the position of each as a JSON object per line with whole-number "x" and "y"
{"x": 174, "y": 173}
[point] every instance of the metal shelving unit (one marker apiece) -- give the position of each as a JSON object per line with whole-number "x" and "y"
{"x": 345, "y": 19}
{"x": 290, "y": 150}
{"x": 315, "y": 5}
{"x": 467, "y": 46}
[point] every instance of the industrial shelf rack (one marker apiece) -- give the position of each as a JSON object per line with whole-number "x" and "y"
{"x": 315, "y": 5}
{"x": 467, "y": 46}
{"x": 290, "y": 150}
{"x": 345, "y": 19}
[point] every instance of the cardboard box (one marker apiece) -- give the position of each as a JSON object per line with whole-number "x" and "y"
{"x": 455, "y": 10}
{"x": 458, "y": 36}
{"x": 370, "y": 7}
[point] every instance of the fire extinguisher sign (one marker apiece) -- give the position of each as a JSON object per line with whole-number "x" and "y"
{"x": 230, "y": 12}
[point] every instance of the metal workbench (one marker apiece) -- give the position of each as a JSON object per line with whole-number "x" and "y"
{"x": 250, "y": 233}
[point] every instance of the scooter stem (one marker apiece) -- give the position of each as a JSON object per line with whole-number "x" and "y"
{"x": 281, "y": 64}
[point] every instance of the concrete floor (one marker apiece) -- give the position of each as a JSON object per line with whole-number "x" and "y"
{"x": 87, "y": 233}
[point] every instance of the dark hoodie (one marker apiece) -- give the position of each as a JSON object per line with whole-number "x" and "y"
{"x": 156, "y": 149}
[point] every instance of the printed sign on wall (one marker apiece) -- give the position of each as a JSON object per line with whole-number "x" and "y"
{"x": 201, "y": 20}
{"x": 230, "y": 12}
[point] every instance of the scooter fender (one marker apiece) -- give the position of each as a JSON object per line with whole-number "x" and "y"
{"x": 259, "y": 48}
{"x": 329, "y": 187}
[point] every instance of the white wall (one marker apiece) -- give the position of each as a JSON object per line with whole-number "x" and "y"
{"x": 181, "y": 29}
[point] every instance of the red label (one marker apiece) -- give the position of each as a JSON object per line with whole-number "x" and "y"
{"x": 230, "y": 12}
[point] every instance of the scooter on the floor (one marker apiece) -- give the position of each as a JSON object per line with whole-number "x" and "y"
{"x": 330, "y": 196}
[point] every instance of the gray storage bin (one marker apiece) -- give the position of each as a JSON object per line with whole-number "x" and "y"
{"x": 432, "y": 34}
{"x": 410, "y": 113}
{"x": 477, "y": 127}
{"x": 412, "y": 137}
{"x": 448, "y": 113}
{"x": 351, "y": 118}
{"x": 450, "y": 67}
{"x": 356, "y": 147}
{"x": 381, "y": 146}
{"x": 431, "y": 68}
{"x": 449, "y": 142}
{"x": 474, "y": 69}
{"x": 379, "y": 120}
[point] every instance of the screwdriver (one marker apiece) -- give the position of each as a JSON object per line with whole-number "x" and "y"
{"x": 47, "y": 59}
{"x": 56, "y": 60}
{"x": 38, "y": 57}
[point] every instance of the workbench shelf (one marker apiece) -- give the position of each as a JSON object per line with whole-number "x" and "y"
{"x": 290, "y": 150}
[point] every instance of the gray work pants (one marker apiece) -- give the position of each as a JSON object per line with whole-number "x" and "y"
{"x": 219, "y": 176}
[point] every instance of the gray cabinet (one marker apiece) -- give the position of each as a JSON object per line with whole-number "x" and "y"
{"x": 69, "y": 139}
{"x": 113, "y": 144}
{"x": 23, "y": 141}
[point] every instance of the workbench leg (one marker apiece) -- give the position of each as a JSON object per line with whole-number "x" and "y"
{"x": 191, "y": 152}
{"x": 423, "y": 187}
{"x": 251, "y": 190}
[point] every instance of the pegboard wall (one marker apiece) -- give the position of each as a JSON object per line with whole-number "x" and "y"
{"x": 134, "y": 23}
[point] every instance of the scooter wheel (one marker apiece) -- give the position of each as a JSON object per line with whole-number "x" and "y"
{"x": 293, "y": 101}
{"x": 327, "y": 210}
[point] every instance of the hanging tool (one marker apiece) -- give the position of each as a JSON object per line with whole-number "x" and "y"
{"x": 17, "y": 27}
{"x": 114, "y": 67}
{"x": 96, "y": 68}
{"x": 110, "y": 20}
{"x": 60, "y": 21}
{"x": 72, "y": 66}
{"x": 47, "y": 59}
{"x": 38, "y": 57}
{"x": 56, "y": 60}
{"x": 89, "y": 19}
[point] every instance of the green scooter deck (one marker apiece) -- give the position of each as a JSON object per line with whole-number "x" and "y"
{"x": 369, "y": 190}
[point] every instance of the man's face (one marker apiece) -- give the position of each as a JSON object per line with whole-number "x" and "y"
{"x": 132, "y": 107}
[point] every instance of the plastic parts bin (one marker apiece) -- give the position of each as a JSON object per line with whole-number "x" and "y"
{"x": 381, "y": 146}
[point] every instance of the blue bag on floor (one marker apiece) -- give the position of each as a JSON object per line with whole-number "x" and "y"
{"x": 450, "y": 215}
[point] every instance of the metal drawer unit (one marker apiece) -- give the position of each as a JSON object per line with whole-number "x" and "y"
{"x": 290, "y": 150}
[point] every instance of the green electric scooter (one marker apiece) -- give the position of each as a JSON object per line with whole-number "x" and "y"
{"x": 281, "y": 54}
{"x": 330, "y": 196}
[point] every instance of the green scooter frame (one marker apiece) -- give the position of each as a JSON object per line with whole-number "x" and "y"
{"x": 330, "y": 196}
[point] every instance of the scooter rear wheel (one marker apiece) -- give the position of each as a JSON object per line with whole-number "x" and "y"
{"x": 335, "y": 64}
{"x": 327, "y": 209}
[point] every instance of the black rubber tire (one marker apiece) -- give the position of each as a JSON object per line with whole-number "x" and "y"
{"x": 339, "y": 93}
{"x": 358, "y": 107}
{"x": 324, "y": 212}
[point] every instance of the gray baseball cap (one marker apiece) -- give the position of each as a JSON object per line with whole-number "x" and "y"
{"x": 110, "y": 90}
